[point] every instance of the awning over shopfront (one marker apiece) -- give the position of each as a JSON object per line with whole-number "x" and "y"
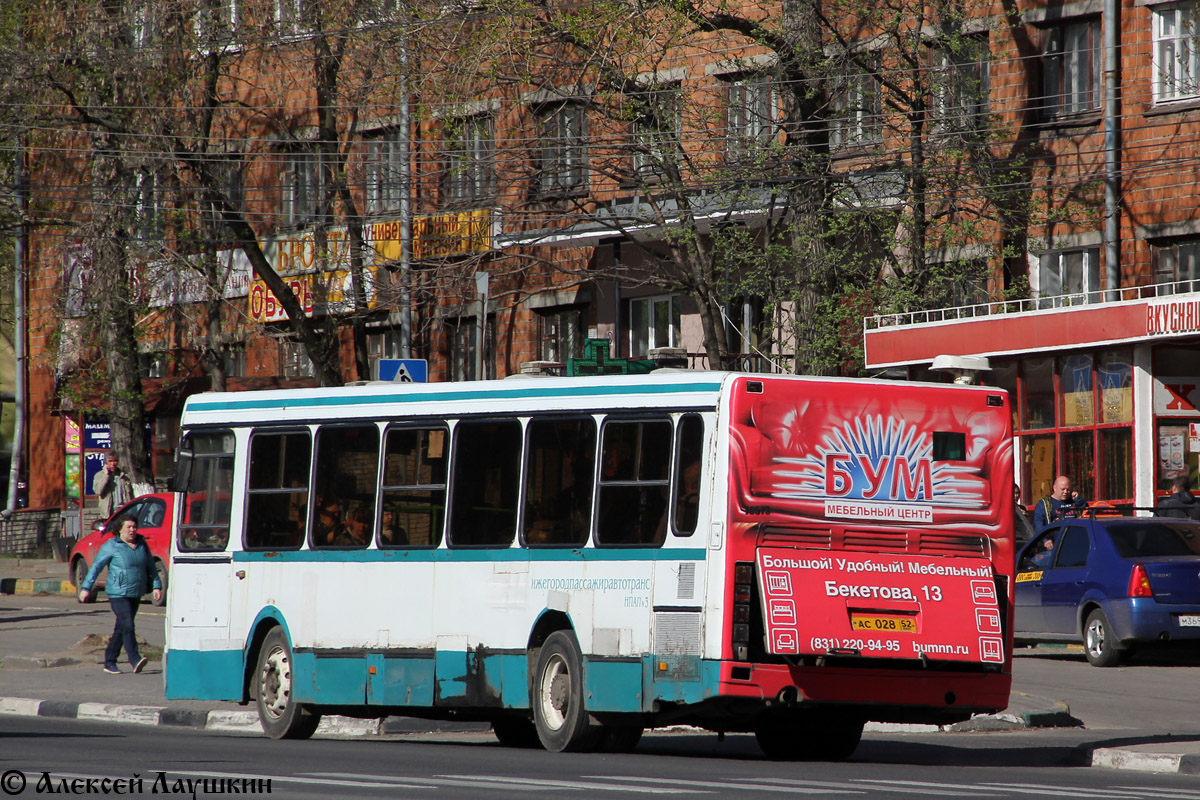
{"x": 1013, "y": 328}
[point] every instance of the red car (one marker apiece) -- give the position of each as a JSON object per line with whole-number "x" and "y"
{"x": 153, "y": 515}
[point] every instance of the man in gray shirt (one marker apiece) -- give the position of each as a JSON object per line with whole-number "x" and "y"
{"x": 112, "y": 486}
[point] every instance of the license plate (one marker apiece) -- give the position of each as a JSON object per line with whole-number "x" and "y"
{"x": 885, "y": 622}
{"x": 1189, "y": 620}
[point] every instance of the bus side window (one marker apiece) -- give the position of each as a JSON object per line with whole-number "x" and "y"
{"x": 634, "y": 481}
{"x": 688, "y": 469}
{"x": 414, "y": 487}
{"x": 484, "y": 483}
{"x": 344, "y": 485}
{"x": 558, "y": 481}
{"x": 208, "y": 493}
{"x": 277, "y": 495}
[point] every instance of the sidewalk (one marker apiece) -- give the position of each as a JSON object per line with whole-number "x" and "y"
{"x": 46, "y": 671}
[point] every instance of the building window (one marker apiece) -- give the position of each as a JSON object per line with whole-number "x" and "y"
{"x": 1071, "y": 65}
{"x": 1076, "y": 415}
{"x": 218, "y": 22}
{"x": 653, "y": 323}
{"x": 563, "y": 164}
{"x": 461, "y": 337}
{"x": 148, "y": 210}
{"x": 960, "y": 87}
{"x": 562, "y": 334}
{"x": 750, "y": 115}
{"x": 291, "y": 16}
{"x": 657, "y": 128}
{"x": 1069, "y": 277}
{"x": 294, "y": 361}
{"x": 153, "y": 364}
{"x": 384, "y": 343}
{"x": 1176, "y": 54}
{"x": 1177, "y": 264}
{"x": 144, "y": 22}
{"x": 469, "y": 159}
{"x": 857, "y": 109}
{"x": 302, "y": 187}
{"x": 385, "y": 164}
{"x": 233, "y": 359}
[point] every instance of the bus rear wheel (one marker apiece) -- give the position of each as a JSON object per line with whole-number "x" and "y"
{"x": 559, "y": 710}
{"x": 516, "y": 732}
{"x": 280, "y": 715}
{"x": 810, "y": 736}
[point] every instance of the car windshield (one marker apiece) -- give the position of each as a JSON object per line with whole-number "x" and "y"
{"x": 1149, "y": 539}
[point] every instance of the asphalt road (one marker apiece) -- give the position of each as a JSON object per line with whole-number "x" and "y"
{"x": 39, "y": 751}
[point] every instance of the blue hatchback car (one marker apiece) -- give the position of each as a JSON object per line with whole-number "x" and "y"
{"x": 1112, "y": 583}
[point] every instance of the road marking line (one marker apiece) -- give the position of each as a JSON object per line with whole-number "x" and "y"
{"x": 791, "y": 787}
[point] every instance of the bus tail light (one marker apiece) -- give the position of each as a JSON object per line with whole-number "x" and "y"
{"x": 743, "y": 584}
{"x": 1139, "y": 582}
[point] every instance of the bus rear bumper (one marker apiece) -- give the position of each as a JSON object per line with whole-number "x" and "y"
{"x": 886, "y": 695}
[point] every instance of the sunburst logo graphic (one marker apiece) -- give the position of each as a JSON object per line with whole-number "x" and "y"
{"x": 875, "y": 458}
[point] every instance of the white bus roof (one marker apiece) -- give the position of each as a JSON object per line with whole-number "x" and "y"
{"x": 660, "y": 389}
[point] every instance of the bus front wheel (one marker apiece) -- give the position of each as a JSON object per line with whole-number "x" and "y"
{"x": 280, "y": 715}
{"x": 559, "y": 710}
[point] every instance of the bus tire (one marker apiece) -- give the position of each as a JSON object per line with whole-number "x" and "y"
{"x": 620, "y": 738}
{"x": 516, "y": 731}
{"x": 281, "y": 717}
{"x": 559, "y": 709}
{"x": 812, "y": 736}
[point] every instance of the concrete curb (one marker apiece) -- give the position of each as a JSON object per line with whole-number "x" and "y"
{"x": 1137, "y": 760}
{"x": 224, "y": 721}
{"x": 32, "y": 586}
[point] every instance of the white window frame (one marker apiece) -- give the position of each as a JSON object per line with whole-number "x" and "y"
{"x": 289, "y": 17}
{"x": 858, "y": 105}
{"x": 562, "y": 331}
{"x": 469, "y": 159}
{"x": 960, "y": 93}
{"x": 751, "y": 115}
{"x": 148, "y": 213}
{"x": 462, "y": 337}
{"x": 1177, "y": 264}
{"x": 646, "y": 328}
{"x": 1176, "y": 61}
{"x": 303, "y": 186}
{"x": 658, "y": 128}
{"x": 563, "y": 165}
{"x": 294, "y": 361}
{"x": 233, "y": 359}
{"x": 1071, "y": 68}
{"x": 385, "y": 167}
{"x": 1053, "y": 265}
{"x": 226, "y": 29}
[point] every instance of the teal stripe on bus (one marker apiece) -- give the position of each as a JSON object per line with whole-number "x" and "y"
{"x": 278, "y": 403}
{"x": 476, "y": 556}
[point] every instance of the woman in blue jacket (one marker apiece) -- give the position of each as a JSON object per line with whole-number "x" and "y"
{"x": 131, "y": 573}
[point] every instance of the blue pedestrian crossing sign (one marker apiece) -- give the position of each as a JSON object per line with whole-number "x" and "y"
{"x": 401, "y": 370}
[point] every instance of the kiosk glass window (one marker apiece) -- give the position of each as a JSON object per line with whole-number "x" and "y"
{"x": 1037, "y": 406}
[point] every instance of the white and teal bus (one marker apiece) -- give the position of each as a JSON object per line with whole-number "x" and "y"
{"x": 578, "y": 559}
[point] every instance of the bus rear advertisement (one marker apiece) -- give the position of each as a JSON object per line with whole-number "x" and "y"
{"x": 576, "y": 560}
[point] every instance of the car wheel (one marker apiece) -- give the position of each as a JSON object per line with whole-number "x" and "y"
{"x": 280, "y": 715}
{"x": 80, "y": 570}
{"x": 1098, "y": 642}
{"x": 161, "y": 568}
